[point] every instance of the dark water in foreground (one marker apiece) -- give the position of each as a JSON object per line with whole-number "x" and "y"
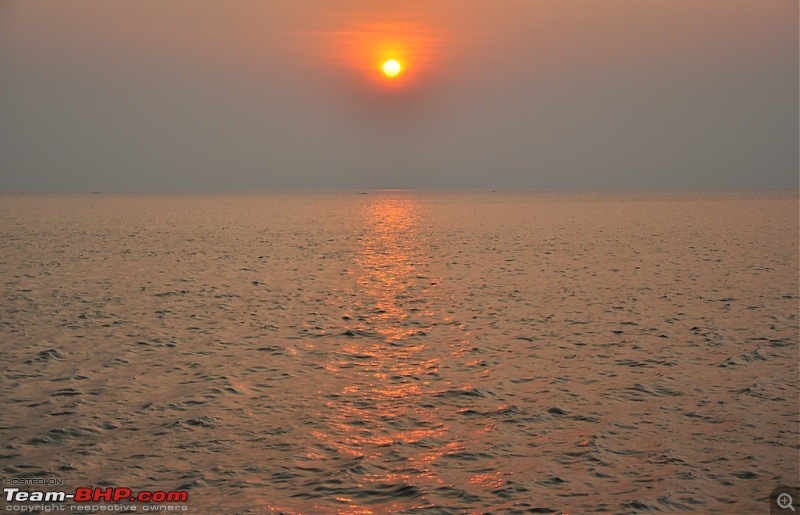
{"x": 405, "y": 352}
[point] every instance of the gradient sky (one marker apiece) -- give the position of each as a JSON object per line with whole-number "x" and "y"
{"x": 204, "y": 95}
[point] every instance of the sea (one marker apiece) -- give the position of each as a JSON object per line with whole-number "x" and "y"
{"x": 402, "y": 351}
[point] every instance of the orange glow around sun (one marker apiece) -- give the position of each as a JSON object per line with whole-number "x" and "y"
{"x": 389, "y": 56}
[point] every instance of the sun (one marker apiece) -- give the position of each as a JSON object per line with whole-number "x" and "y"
{"x": 391, "y": 68}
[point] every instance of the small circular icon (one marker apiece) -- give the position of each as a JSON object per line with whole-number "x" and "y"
{"x": 785, "y": 501}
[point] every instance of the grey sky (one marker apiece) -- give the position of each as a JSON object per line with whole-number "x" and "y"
{"x": 180, "y": 95}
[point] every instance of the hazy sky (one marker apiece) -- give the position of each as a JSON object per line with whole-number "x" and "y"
{"x": 276, "y": 94}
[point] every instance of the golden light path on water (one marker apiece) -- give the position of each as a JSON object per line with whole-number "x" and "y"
{"x": 384, "y": 407}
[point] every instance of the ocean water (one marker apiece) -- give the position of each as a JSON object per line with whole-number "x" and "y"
{"x": 405, "y": 352}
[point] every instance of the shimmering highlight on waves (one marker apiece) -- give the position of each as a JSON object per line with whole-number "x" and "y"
{"x": 400, "y": 352}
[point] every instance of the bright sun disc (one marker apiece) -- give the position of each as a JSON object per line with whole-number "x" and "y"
{"x": 391, "y": 68}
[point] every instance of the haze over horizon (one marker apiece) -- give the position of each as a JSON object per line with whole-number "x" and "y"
{"x": 550, "y": 94}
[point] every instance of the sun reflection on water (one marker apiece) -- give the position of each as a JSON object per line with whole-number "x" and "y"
{"x": 380, "y": 414}
{"x": 391, "y": 420}
{"x": 387, "y": 259}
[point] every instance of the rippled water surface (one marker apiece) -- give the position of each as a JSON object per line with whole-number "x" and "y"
{"x": 405, "y": 352}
